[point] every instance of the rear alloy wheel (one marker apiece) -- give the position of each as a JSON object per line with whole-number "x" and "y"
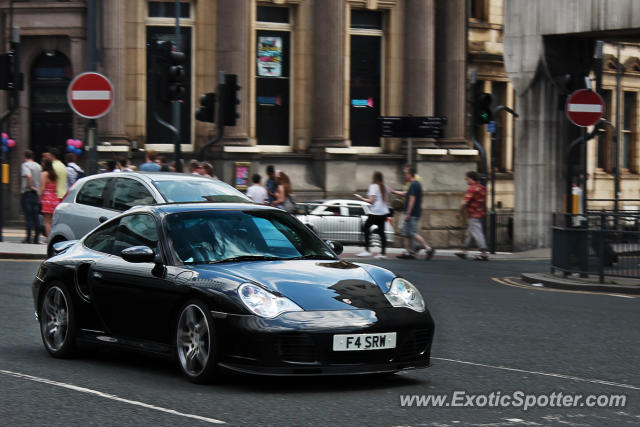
{"x": 196, "y": 342}
{"x": 57, "y": 322}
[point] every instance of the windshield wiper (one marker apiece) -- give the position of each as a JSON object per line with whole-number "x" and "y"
{"x": 246, "y": 258}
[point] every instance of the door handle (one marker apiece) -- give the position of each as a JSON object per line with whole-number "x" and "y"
{"x": 96, "y": 275}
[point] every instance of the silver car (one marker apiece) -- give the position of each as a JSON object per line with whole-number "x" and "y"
{"x": 342, "y": 220}
{"x": 94, "y": 199}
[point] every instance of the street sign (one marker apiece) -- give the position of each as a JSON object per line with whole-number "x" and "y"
{"x": 411, "y": 127}
{"x": 90, "y": 95}
{"x": 584, "y": 108}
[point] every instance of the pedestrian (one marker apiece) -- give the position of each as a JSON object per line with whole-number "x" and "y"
{"x": 164, "y": 166}
{"x": 195, "y": 167}
{"x": 150, "y": 164}
{"x": 257, "y": 192}
{"x": 74, "y": 172}
{"x": 30, "y": 172}
{"x": 378, "y": 214}
{"x": 208, "y": 170}
{"x": 61, "y": 173}
{"x": 284, "y": 194}
{"x": 271, "y": 183}
{"x": 110, "y": 166}
{"x": 474, "y": 204}
{"x": 48, "y": 193}
{"x": 122, "y": 164}
{"x": 411, "y": 215}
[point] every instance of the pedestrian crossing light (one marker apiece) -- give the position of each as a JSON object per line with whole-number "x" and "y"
{"x": 483, "y": 106}
{"x": 206, "y": 112}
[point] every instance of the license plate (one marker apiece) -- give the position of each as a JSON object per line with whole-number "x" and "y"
{"x": 357, "y": 342}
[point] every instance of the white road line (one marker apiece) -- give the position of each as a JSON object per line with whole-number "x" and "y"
{"x": 110, "y": 396}
{"x": 546, "y": 374}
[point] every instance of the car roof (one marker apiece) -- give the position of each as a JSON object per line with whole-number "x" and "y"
{"x": 156, "y": 176}
{"x": 345, "y": 201}
{"x": 171, "y": 208}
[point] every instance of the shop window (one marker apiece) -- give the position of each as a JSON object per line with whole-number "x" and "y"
{"x": 628, "y": 135}
{"x": 164, "y": 9}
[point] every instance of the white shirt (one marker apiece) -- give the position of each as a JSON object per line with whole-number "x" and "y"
{"x": 379, "y": 206}
{"x": 257, "y": 193}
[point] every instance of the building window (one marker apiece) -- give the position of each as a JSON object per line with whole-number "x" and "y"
{"x": 478, "y": 10}
{"x": 628, "y": 134}
{"x": 605, "y": 139}
{"x": 162, "y": 9}
{"x": 273, "y": 76}
{"x": 365, "y": 77}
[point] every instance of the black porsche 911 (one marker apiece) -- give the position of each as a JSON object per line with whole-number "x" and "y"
{"x": 236, "y": 286}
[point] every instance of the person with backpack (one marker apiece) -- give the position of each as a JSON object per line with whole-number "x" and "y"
{"x": 74, "y": 172}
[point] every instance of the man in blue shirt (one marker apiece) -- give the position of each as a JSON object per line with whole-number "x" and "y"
{"x": 150, "y": 164}
{"x": 412, "y": 213}
{"x": 271, "y": 183}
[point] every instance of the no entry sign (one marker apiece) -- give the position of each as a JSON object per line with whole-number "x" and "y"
{"x": 90, "y": 95}
{"x": 585, "y": 108}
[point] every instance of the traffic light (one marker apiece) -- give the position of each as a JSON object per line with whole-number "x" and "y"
{"x": 167, "y": 67}
{"x": 482, "y": 107}
{"x": 229, "y": 100}
{"x": 7, "y": 80}
{"x": 175, "y": 73}
{"x": 207, "y": 110}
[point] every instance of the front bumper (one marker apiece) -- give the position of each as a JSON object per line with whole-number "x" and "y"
{"x": 301, "y": 343}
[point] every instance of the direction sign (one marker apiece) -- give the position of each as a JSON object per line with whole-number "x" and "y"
{"x": 585, "y": 107}
{"x": 90, "y": 95}
{"x": 411, "y": 127}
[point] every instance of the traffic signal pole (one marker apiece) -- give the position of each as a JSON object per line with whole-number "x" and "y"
{"x": 175, "y": 104}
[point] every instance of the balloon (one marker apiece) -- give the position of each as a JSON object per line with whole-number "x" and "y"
{"x": 70, "y": 149}
{"x": 4, "y": 141}
{"x": 78, "y": 151}
{"x": 5, "y": 148}
{"x": 78, "y": 143}
{"x": 4, "y": 135}
{"x": 69, "y": 141}
{"x": 11, "y": 143}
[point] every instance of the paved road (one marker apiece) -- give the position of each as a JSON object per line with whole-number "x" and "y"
{"x": 493, "y": 335}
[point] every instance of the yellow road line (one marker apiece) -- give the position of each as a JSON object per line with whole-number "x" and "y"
{"x": 511, "y": 281}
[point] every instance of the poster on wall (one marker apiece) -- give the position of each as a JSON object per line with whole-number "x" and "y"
{"x": 242, "y": 175}
{"x": 269, "y": 56}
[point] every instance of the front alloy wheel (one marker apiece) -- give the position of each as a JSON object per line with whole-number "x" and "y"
{"x": 57, "y": 322}
{"x": 195, "y": 342}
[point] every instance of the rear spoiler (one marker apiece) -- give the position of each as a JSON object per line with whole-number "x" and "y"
{"x": 60, "y": 247}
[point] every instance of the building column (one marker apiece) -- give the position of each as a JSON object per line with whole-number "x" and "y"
{"x": 111, "y": 126}
{"x": 329, "y": 85}
{"x": 451, "y": 69}
{"x": 233, "y": 45}
{"x": 419, "y": 75}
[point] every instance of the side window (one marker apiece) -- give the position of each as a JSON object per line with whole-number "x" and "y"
{"x": 92, "y": 192}
{"x": 102, "y": 239}
{"x": 128, "y": 193}
{"x": 335, "y": 210}
{"x": 136, "y": 230}
{"x": 356, "y": 211}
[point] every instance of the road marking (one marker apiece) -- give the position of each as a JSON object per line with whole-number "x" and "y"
{"x": 546, "y": 374}
{"x": 38, "y": 260}
{"x": 110, "y": 396}
{"x": 511, "y": 281}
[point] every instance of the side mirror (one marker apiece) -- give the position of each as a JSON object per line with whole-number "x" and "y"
{"x": 138, "y": 254}
{"x": 335, "y": 246}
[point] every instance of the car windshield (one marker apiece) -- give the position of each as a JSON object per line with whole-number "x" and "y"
{"x": 206, "y": 237}
{"x": 199, "y": 190}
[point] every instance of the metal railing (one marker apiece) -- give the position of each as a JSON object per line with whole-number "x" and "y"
{"x": 598, "y": 243}
{"x": 504, "y": 230}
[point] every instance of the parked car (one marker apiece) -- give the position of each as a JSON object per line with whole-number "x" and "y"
{"x": 95, "y": 198}
{"x": 342, "y": 220}
{"x": 242, "y": 287}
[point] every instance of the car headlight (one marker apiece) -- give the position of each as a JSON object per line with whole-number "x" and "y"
{"x": 403, "y": 294}
{"x": 263, "y": 303}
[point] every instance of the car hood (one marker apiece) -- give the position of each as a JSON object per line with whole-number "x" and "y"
{"x": 313, "y": 284}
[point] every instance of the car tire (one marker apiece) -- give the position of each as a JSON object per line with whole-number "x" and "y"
{"x": 196, "y": 342}
{"x": 57, "y": 318}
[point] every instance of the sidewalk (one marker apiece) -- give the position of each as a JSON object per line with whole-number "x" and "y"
{"x": 545, "y": 253}
{"x": 621, "y": 285}
{"x": 11, "y": 246}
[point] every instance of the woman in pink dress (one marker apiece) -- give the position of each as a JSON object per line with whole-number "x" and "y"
{"x": 48, "y": 193}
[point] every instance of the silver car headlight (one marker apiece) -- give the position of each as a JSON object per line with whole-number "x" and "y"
{"x": 263, "y": 303}
{"x": 403, "y": 294}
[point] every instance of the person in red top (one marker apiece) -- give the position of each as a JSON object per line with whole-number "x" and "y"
{"x": 475, "y": 206}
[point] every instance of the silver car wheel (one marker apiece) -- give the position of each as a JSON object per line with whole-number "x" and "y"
{"x": 193, "y": 340}
{"x": 54, "y": 321}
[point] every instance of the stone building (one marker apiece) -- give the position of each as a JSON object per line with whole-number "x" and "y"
{"x": 335, "y": 66}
